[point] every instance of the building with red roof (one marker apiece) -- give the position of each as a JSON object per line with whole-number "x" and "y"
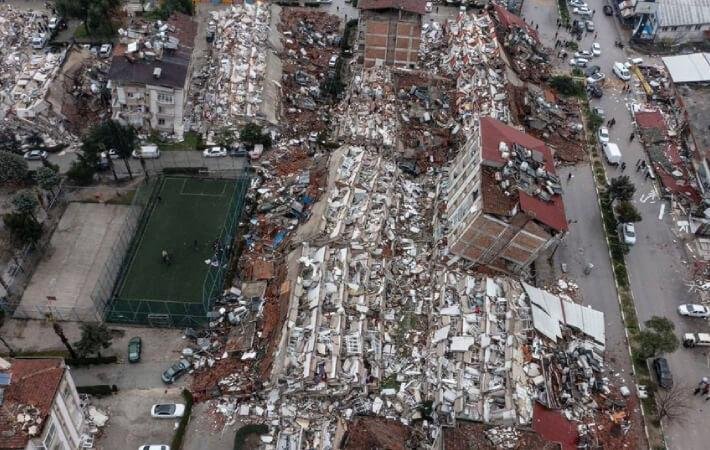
{"x": 39, "y": 405}
{"x": 390, "y": 31}
{"x": 505, "y": 201}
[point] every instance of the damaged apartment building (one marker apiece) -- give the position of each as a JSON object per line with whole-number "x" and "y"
{"x": 150, "y": 74}
{"x": 390, "y": 31}
{"x": 504, "y": 202}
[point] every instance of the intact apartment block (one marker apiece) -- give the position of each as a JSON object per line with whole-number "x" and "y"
{"x": 673, "y": 21}
{"x": 150, "y": 74}
{"x": 390, "y": 31}
{"x": 39, "y": 406}
{"x": 504, "y": 203}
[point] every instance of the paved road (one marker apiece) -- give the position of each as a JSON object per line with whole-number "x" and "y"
{"x": 656, "y": 264}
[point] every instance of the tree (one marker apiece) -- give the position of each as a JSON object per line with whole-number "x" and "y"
{"x": 168, "y": 7}
{"x": 567, "y": 85}
{"x": 253, "y": 134}
{"x": 627, "y": 213}
{"x": 81, "y": 173}
{"x": 621, "y": 188}
{"x": 23, "y": 227}
{"x": 60, "y": 332}
{"x": 111, "y": 135}
{"x": 9, "y": 142}
{"x": 96, "y": 14}
{"x": 225, "y": 137}
{"x": 48, "y": 179}
{"x": 674, "y": 403}
{"x": 13, "y": 168}
{"x": 657, "y": 337}
{"x": 94, "y": 337}
{"x": 25, "y": 202}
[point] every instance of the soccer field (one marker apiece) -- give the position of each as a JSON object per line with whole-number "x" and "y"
{"x": 184, "y": 219}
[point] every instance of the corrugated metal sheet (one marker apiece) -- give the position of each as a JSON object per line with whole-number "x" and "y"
{"x": 586, "y": 320}
{"x": 672, "y": 13}
{"x": 692, "y": 68}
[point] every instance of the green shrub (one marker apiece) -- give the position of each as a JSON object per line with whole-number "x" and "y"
{"x": 179, "y": 436}
{"x": 567, "y": 86}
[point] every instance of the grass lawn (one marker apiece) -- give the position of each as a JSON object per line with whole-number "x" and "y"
{"x": 192, "y": 141}
{"x": 187, "y": 210}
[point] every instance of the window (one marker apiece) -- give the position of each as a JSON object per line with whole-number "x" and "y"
{"x": 165, "y": 97}
{"x": 161, "y": 121}
{"x": 674, "y": 28}
{"x": 129, "y": 94}
{"x": 72, "y": 406}
{"x": 160, "y": 109}
{"x": 698, "y": 27}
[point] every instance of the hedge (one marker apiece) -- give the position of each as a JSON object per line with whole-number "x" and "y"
{"x": 179, "y": 436}
{"x": 98, "y": 390}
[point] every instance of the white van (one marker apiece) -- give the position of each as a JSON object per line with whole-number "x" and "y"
{"x": 147, "y": 152}
{"x": 39, "y": 41}
{"x": 612, "y": 153}
{"x": 621, "y": 71}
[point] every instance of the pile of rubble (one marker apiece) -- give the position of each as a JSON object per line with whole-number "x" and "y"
{"x": 229, "y": 89}
{"x": 16, "y": 29}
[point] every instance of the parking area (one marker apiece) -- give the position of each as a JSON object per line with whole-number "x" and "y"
{"x": 130, "y": 424}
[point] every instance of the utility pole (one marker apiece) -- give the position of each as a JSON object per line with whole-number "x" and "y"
{"x": 60, "y": 332}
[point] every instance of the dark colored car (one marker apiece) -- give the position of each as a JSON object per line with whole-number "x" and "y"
{"x": 594, "y": 91}
{"x": 175, "y": 371}
{"x": 237, "y": 151}
{"x": 135, "y": 345}
{"x": 663, "y": 373}
{"x": 608, "y": 11}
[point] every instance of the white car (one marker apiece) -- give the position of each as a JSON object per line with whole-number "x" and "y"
{"x": 154, "y": 447}
{"x": 595, "y": 77}
{"x": 333, "y": 61}
{"x": 214, "y": 152}
{"x": 105, "y": 50}
{"x": 583, "y": 54}
{"x": 627, "y": 232}
{"x": 577, "y": 4}
{"x": 692, "y": 310}
{"x": 167, "y": 410}
{"x": 583, "y": 11}
{"x": 34, "y": 155}
{"x": 603, "y": 135}
{"x": 428, "y": 7}
{"x": 578, "y": 62}
{"x": 621, "y": 71}
{"x": 596, "y": 49}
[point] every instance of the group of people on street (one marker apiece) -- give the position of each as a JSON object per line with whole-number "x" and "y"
{"x": 703, "y": 388}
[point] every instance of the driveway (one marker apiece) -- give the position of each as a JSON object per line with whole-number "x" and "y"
{"x": 657, "y": 265}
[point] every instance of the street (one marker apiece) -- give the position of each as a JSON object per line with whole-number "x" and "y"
{"x": 656, "y": 264}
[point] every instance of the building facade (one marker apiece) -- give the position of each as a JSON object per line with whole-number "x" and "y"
{"x": 669, "y": 21}
{"x": 504, "y": 204}
{"x": 40, "y": 406}
{"x": 390, "y": 32}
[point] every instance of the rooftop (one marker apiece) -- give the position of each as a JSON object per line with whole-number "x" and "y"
{"x": 510, "y": 20}
{"x": 414, "y": 6}
{"x": 650, "y": 119}
{"x": 683, "y": 12}
{"x": 34, "y": 383}
{"x": 692, "y": 68}
{"x": 696, "y": 101}
{"x": 521, "y": 170}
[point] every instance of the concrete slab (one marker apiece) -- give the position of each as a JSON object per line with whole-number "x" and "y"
{"x": 75, "y": 257}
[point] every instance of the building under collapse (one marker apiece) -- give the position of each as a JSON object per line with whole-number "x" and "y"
{"x": 505, "y": 204}
{"x": 150, "y": 74}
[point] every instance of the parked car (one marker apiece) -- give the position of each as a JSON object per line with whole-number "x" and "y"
{"x": 594, "y": 91}
{"x": 577, "y": 4}
{"x": 175, "y": 371}
{"x": 154, "y": 447}
{"x": 589, "y": 25}
{"x": 214, "y": 152}
{"x": 621, "y": 71}
{"x": 598, "y": 111}
{"x": 633, "y": 62}
{"x": 692, "y": 310}
{"x": 167, "y": 410}
{"x": 39, "y": 41}
{"x": 333, "y": 61}
{"x": 608, "y": 11}
{"x": 591, "y": 70}
{"x": 663, "y": 373}
{"x": 603, "y": 135}
{"x": 105, "y": 50}
{"x": 596, "y": 49}
{"x": 584, "y": 54}
{"x": 236, "y": 151}
{"x": 135, "y": 346}
{"x": 595, "y": 78}
{"x": 147, "y": 152}
{"x": 627, "y": 233}
{"x": 34, "y": 155}
{"x": 428, "y": 7}
{"x": 582, "y": 11}
{"x": 578, "y": 62}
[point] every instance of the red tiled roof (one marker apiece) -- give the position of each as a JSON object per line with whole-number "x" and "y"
{"x": 34, "y": 382}
{"x": 415, "y": 6}
{"x": 508, "y": 19}
{"x": 650, "y": 119}
{"x": 493, "y": 132}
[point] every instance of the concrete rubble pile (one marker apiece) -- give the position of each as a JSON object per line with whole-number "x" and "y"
{"x": 16, "y": 29}
{"x": 371, "y": 114}
{"x": 234, "y": 75}
{"x": 473, "y": 57}
{"x": 528, "y": 57}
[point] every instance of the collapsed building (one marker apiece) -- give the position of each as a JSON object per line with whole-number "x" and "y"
{"x": 150, "y": 74}
{"x": 505, "y": 200}
{"x": 390, "y": 31}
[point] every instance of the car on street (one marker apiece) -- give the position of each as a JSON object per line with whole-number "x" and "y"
{"x": 147, "y": 152}
{"x": 664, "y": 377}
{"x": 175, "y": 371}
{"x": 608, "y": 11}
{"x": 167, "y": 410}
{"x": 135, "y": 346}
{"x": 596, "y": 77}
{"x": 596, "y": 49}
{"x": 583, "y": 54}
{"x": 333, "y": 61}
{"x": 603, "y": 135}
{"x": 214, "y": 152}
{"x": 627, "y": 233}
{"x": 577, "y": 4}
{"x": 621, "y": 71}
{"x": 35, "y": 155}
{"x": 113, "y": 154}
{"x": 105, "y": 50}
{"x": 591, "y": 70}
{"x": 692, "y": 310}
{"x": 428, "y": 7}
{"x": 237, "y": 151}
{"x": 578, "y": 62}
{"x": 582, "y": 11}
{"x": 594, "y": 91}
{"x": 589, "y": 25}
{"x": 154, "y": 447}
{"x": 598, "y": 111}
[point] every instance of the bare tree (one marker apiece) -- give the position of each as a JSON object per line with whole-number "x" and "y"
{"x": 674, "y": 403}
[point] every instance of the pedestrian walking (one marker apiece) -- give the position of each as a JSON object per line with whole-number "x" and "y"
{"x": 623, "y": 166}
{"x": 631, "y": 138}
{"x": 706, "y": 390}
{"x": 643, "y": 163}
{"x": 159, "y": 199}
{"x": 646, "y": 177}
{"x": 698, "y": 390}
{"x": 536, "y": 27}
{"x": 164, "y": 255}
{"x": 613, "y": 121}
{"x": 569, "y": 177}
{"x": 595, "y": 35}
{"x": 195, "y": 245}
{"x": 638, "y": 162}
{"x": 594, "y": 11}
